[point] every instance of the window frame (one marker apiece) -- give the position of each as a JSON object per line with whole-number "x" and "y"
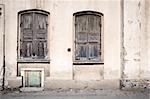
{"x": 22, "y": 60}
{"x": 80, "y": 62}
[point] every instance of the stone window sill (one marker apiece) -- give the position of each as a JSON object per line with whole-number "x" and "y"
{"x": 33, "y": 61}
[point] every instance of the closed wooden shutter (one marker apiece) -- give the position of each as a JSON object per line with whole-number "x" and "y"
{"x": 33, "y": 40}
{"x": 87, "y": 33}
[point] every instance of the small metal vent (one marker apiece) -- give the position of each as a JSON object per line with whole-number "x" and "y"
{"x": 33, "y": 77}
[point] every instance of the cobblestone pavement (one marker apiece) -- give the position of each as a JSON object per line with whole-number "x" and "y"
{"x": 99, "y": 94}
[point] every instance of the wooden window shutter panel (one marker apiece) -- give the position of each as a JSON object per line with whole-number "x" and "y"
{"x": 88, "y": 37}
{"x": 94, "y": 37}
{"x": 33, "y": 35}
{"x": 26, "y": 35}
{"x": 81, "y": 37}
{"x": 41, "y": 35}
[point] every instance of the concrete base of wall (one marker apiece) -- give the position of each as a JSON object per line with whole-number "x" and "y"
{"x": 49, "y": 84}
{"x": 14, "y": 82}
{"x": 27, "y": 89}
{"x": 81, "y": 85}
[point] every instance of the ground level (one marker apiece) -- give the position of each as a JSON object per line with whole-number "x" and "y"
{"x": 78, "y": 94}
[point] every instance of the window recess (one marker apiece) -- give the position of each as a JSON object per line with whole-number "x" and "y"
{"x": 33, "y": 33}
{"x": 88, "y": 37}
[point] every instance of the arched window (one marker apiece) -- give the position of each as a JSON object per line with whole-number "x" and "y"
{"x": 33, "y": 32}
{"x": 88, "y": 37}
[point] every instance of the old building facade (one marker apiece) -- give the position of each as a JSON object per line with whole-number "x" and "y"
{"x": 52, "y": 44}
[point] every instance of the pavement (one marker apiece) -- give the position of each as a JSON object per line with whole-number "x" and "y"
{"x": 80, "y": 94}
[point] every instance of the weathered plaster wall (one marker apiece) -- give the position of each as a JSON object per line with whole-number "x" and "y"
{"x": 1, "y": 42}
{"x": 135, "y": 39}
{"x": 136, "y": 72}
{"x": 1, "y": 1}
{"x": 145, "y": 69}
{"x": 11, "y": 38}
{"x": 62, "y": 12}
{"x": 61, "y": 30}
{"x": 132, "y": 31}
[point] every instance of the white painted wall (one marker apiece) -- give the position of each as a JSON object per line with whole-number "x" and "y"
{"x": 136, "y": 39}
{"x": 61, "y": 30}
{"x": 62, "y": 35}
{"x": 132, "y": 19}
{"x": 145, "y": 72}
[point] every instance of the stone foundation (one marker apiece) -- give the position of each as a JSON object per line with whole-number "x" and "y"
{"x": 131, "y": 84}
